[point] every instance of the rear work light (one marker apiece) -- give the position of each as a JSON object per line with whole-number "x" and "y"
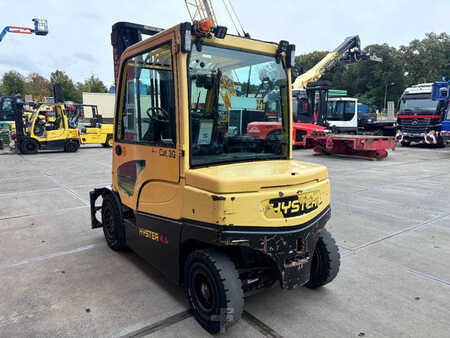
{"x": 290, "y": 56}
{"x": 220, "y": 32}
{"x": 186, "y": 38}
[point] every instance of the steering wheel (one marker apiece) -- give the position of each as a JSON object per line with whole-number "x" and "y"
{"x": 158, "y": 114}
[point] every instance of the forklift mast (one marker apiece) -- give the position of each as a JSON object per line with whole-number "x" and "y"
{"x": 79, "y": 113}
{"x": 317, "y": 94}
{"x": 18, "y": 113}
{"x": 126, "y": 34}
{"x": 58, "y": 93}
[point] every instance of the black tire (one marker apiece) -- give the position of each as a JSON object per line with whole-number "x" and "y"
{"x": 274, "y": 135}
{"x": 405, "y": 144}
{"x": 29, "y": 146}
{"x": 442, "y": 142}
{"x": 326, "y": 261}
{"x": 213, "y": 289}
{"x": 113, "y": 227}
{"x": 71, "y": 146}
{"x": 107, "y": 142}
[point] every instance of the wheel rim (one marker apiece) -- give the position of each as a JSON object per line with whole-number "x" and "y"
{"x": 204, "y": 294}
{"x": 30, "y": 146}
{"x": 110, "y": 142}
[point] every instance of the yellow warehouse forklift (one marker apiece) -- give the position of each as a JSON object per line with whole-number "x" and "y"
{"x": 46, "y": 129}
{"x": 221, "y": 215}
{"x": 96, "y": 132}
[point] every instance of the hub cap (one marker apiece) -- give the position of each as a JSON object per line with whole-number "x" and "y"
{"x": 204, "y": 292}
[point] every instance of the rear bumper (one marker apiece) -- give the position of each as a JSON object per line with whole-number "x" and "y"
{"x": 290, "y": 248}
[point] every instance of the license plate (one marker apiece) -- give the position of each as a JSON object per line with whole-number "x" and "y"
{"x": 292, "y": 206}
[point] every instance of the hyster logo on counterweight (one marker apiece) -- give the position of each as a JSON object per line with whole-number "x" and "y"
{"x": 292, "y": 206}
{"x": 155, "y": 236}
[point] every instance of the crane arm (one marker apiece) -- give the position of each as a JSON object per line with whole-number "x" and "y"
{"x": 14, "y": 29}
{"x": 40, "y": 28}
{"x": 348, "y": 51}
{"x": 316, "y": 72}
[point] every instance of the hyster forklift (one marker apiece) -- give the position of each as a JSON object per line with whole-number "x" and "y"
{"x": 221, "y": 215}
{"x": 96, "y": 132}
{"x": 46, "y": 129}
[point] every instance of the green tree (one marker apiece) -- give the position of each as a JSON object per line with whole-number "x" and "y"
{"x": 305, "y": 62}
{"x": 37, "y": 85}
{"x": 426, "y": 60}
{"x": 70, "y": 92}
{"x": 12, "y": 83}
{"x": 92, "y": 85}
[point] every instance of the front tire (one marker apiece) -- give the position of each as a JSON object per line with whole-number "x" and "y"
{"x": 29, "y": 146}
{"x": 326, "y": 261}
{"x": 213, "y": 289}
{"x": 113, "y": 227}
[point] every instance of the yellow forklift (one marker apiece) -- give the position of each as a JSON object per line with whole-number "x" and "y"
{"x": 46, "y": 129}
{"x": 222, "y": 215}
{"x": 95, "y": 132}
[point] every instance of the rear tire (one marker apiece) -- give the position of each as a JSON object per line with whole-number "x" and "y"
{"x": 213, "y": 289}
{"x": 113, "y": 227}
{"x": 71, "y": 146}
{"x": 29, "y": 146}
{"x": 326, "y": 261}
{"x": 442, "y": 143}
{"x": 109, "y": 142}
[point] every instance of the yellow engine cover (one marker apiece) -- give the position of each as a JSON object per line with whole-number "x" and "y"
{"x": 273, "y": 193}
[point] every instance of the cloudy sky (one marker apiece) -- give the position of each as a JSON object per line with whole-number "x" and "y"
{"x": 79, "y": 31}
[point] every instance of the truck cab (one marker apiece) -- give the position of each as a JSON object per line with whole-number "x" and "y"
{"x": 445, "y": 129}
{"x": 342, "y": 114}
{"x": 420, "y": 117}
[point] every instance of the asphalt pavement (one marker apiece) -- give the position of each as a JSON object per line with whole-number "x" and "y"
{"x": 391, "y": 220}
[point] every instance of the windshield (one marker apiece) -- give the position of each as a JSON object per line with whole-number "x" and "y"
{"x": 417, "y": 106}
{"x": 340, "y": 110}
{"x": 228, "y": 90}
